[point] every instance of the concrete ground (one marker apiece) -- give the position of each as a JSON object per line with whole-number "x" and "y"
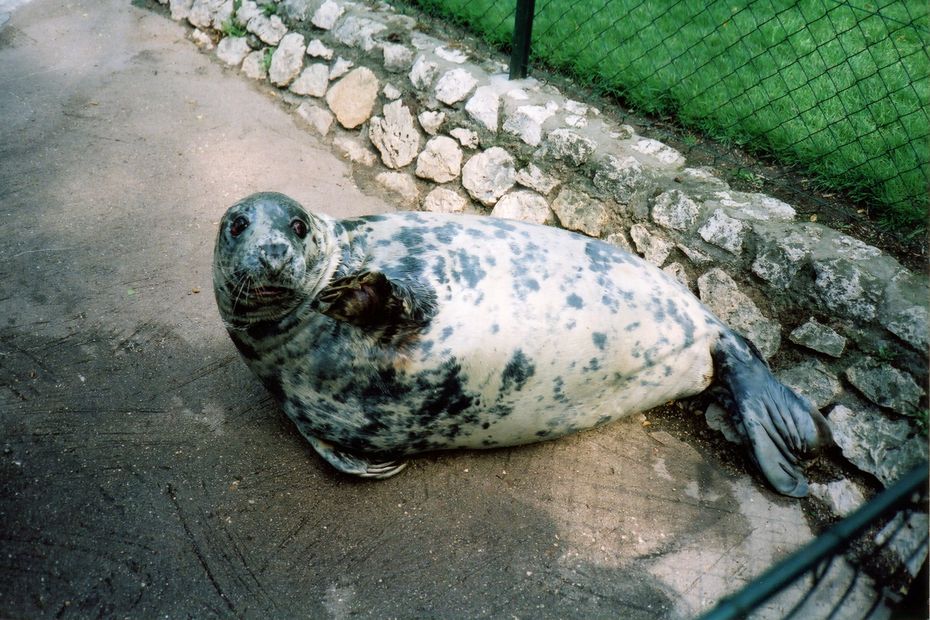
{"x": 144, "y": 472}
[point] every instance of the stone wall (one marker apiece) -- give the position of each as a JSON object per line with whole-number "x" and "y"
{"x": 441, "y": 128}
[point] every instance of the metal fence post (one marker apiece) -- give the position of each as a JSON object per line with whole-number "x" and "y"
{"x": 522, "y": 32}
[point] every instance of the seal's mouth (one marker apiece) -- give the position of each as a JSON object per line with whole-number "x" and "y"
{"x": 270, "y": 293}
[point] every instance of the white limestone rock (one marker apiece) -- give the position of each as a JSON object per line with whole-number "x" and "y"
{"x": 722, "y": 295}
{"x": 624, "y": 178}
{"x": 247, "y": 10}
{"x": 313, "y": 80}
{"x": 391, "y": 92}
{"x": 269, "y": 29}
{"x": 180, "y": 9}
{"x": 232, "y": 50}
{"x": 565, "y": 144}
{"x": 359, "y": 32}
{"x": 394, "y": 135}
{"x": 401, "y": 185}
{"x": 353, "y": 97}
{"x": 677, "y": 271}
{"x": 674, "y": 209}
{"x": 431, "y": 121}
{"x": 202, "y": 40}
{"x": 812, "y": 379}
{"x": 886, "y": 386}
{"x": 886, "y": 448}
{"x": 253, "y": 66}
{"x": 442, "y": 200}
{"x": 488, "y": 175}
{"x": 340, "y": 67}
{"x": 534, "y": 178}
{"x": 579, "y": 212}
{"x": 525, "y": 206}
{"x": 451, "y": 55}
{"x": 353, "y": 150}
{"x": 724, "y": 231}
{"x": 397, "y": 58}
{"x": 526, "y": 122}
{"x": 210, "y": 13}
{"x": 287, "y": 60}
{"x": 325, "y": 17}
{"x": 650, "y": 246}
{"x": 317, "y": 49}
{"x": 662, "y": 152}
{"x": 843, "y": 496}
{"x": 904, "y": 309}
{"x": 484, "y": 107}
{"x": 818, "y": 337}
{"x": 782, "y": 252}
{"x": 319, "y": 119}
{"x": 422, "y": 73}
{"x": 466, "y": 137}
{"x": 440, "y": 161}
{"x": 454, "y": 86}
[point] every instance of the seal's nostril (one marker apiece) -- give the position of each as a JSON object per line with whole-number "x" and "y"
{"x": 275, "y": 250}
{"x": 274, "y": 256}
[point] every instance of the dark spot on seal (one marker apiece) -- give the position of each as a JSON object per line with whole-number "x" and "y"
{"x": 543, "y": 433}
{"x": 557, "y": 384}
{"x": 502, "y": 224}
{"x": 517, "y": 372}
{"x": 604, "y": 419}
{"x": 574, "y": 301}
{"x": 495, "y": 328}
{"x": 599, "y": 339}
{"x": 687, "y": 325}
{"x": 443, "y": 391}
{"x": 599, "y": 258}
{"x": 632, "y": 326}
{"x": 593, "y": 364}
{"x": 470, "y": 269}
{"x": 439, "y": 270}
{"x": 410, "y": 237}
{"x": 446, "y": 332}
{"x": 447, "y": 232}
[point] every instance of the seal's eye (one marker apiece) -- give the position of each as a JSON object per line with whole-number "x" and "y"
{"x": 299, "y": 227}
{"x": 239, "y": 224}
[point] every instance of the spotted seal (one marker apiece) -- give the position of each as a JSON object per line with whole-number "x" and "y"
{"x": 389, "y": 335}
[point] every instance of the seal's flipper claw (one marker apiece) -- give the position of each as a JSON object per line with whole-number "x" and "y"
{"x": 779, "y": 426}
{"x": 349, "y": 463}
{"x": 769, "y": 452}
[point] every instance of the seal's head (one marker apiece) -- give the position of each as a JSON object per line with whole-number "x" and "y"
{"x": 270, "y": 256}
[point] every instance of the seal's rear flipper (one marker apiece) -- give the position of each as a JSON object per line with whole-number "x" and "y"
{"x": 778, "y": 425}
{"x": 349, "y": 463}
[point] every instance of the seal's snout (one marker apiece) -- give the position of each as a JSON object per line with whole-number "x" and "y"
{"x": 275, "y": 256}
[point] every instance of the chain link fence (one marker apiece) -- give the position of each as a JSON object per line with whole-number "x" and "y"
{"x": 838, "y": 91}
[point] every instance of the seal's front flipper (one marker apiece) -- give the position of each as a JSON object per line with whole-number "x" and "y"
{"x": 778, "y": 425}
{"x": 372, "y": 301}
{"x": 349, "y": 463}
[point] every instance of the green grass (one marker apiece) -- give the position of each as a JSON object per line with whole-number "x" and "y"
{"x": 839, "y": 90}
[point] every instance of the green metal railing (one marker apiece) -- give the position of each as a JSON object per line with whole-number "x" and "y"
{"x": 825, "y": 547}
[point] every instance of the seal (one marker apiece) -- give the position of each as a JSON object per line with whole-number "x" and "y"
{"x": 390, "y": 335}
